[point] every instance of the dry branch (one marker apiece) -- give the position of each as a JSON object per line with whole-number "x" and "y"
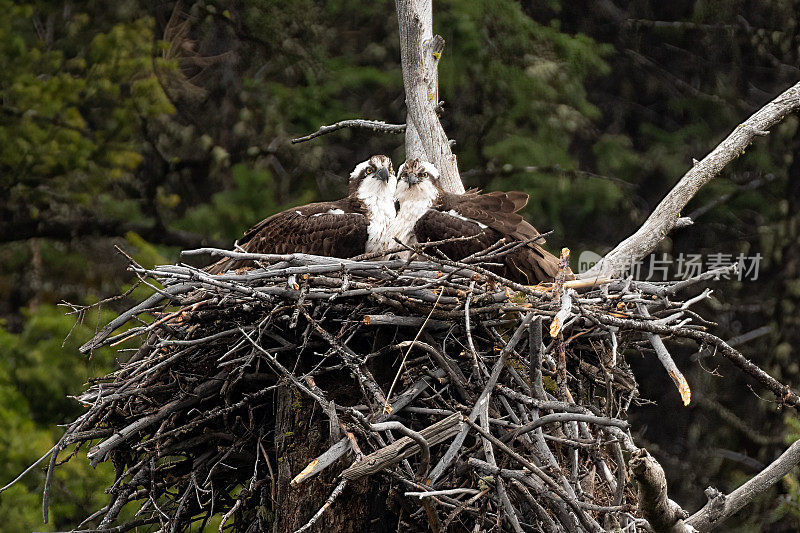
{"x": 663, "y": 514}
{"x": 665, "y": 216}
{"x": 721, "y": 506}
{"x": 373, "y": 125}
{"x": 404, "y": 447}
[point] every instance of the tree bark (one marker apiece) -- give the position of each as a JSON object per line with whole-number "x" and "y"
{"x": 663, "y": 515}
{"x": 419, "y": 53}
{"x": 301, "y": 434}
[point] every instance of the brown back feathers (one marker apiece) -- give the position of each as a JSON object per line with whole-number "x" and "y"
{"x": 334, "y": 229}
{"x": 489, "y": 217}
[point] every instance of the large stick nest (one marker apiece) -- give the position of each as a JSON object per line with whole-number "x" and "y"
{"x": 508, "y": 403}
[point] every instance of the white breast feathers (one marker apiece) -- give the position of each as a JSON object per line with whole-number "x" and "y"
{"x": 414, "y": 202}
{"x": 378, "y": 197}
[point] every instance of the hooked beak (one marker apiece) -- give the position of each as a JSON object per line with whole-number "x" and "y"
{"x": 382, "y": 174}
{"x": 412, "y": 179}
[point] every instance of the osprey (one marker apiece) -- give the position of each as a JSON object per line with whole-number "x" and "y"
{"x": 428, "y": 213}
{"x": 356, "y": 224}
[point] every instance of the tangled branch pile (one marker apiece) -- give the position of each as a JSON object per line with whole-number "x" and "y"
{"x": 433, "y": 389}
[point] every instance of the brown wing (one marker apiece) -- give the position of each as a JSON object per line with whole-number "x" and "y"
{"x": 497, "y": 211}
{"x": 437, "y": 225}
{"x": 318, "y": 229}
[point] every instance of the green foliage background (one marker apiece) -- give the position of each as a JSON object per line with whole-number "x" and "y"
{"x": 168, "y": 127}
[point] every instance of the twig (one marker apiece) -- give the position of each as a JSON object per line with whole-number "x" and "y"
{"x": 334, "y": 494}
{"x": 667, "y": 362}
{"x": 387, "y": 408}
{"x": 374, "y": 125}
{"x": 323, "y": 461}
{"x": 783, "y": 392}
{"x": 31, "y": 467}
{"x": 587, "y": 522}
{"x": 447, "y": 492}
{"x": 417, "y": 437}
{"x": 452, "y": 451}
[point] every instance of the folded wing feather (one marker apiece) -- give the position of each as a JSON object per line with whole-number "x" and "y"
{"x": 323, "y": 228}
{"x": 498, "y": 213}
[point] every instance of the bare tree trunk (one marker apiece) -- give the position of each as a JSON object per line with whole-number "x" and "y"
{"x": 414, "y": 146}
{"x": 300, "y": 437}
{"x": 420, "y": 51}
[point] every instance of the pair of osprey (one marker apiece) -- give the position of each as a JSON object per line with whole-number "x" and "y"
{"x": 410, "y": 207}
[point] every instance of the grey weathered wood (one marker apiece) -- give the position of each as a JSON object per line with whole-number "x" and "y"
{"x": 404, "y": 448}
{"x": 323, "y": 461}
{"x": 418, "y": 438}
{"x": 665, "y": 216}
{"x": 222, "y": 326}
{"x": 100, "y": 452}
{"x": 564, "y": 417}
{"x": 405, "y": 321}
{"x": 663, "y": 514}
{"x": 411, "y": 393}
{"x": 455, "y": 446}
{"x": 109, "y": 328}
{"x": 666, "y": 361}
{"x": 374, "y": 125}
{"x": 720, "y": 507}
{"x": 419, "y": 52}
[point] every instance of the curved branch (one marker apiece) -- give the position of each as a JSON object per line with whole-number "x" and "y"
{"x": 564, "y": 417}
{"x": 425, "y": 463}
{"x": 666, "y": 214}
{"x": 720, "y": 507}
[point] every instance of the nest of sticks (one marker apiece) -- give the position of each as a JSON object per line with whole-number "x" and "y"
{"x": 449, "y": 397}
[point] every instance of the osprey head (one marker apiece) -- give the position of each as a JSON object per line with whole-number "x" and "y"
{"x": 416, "y": 171}
{"x": 377, "y": 167}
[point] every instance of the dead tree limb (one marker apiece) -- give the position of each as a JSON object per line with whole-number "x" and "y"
{"x": 720, "y": 507}
{"x": 404, "y": 447}
{"x": 666, "y": 214}
{"x": 374, "y": 125}
{"x": 784, "y": 393}
{"x": 667, "y": 362}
